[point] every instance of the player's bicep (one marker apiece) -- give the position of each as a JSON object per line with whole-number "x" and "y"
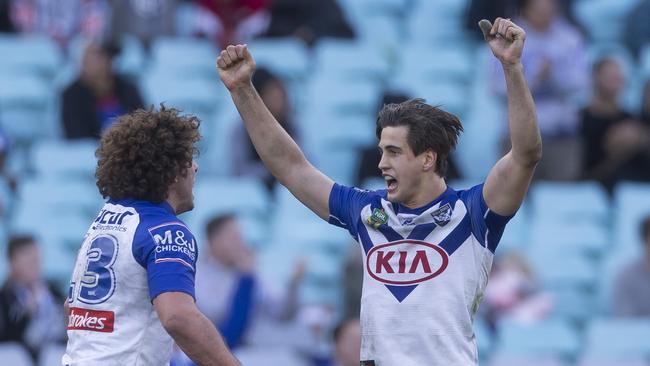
{"x": 506, "y": 185}
{"x": 311, "y": 187}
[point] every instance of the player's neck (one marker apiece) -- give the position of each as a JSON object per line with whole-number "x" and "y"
{"x": 430, "y": 190}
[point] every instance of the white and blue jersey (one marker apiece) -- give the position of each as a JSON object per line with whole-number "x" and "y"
{"x": 133, "y": 252}
{"x": 425, "y": 271}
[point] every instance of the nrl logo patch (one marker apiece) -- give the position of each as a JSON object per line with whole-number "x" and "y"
{"x": 377, "y": 218}
{"x": 442, "y": 215}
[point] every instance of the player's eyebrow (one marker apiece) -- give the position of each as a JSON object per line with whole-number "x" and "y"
{"x": 392, "y": 147}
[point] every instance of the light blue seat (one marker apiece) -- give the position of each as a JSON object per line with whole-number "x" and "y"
{"x": 428, "y": 64}
{"x": 285, "y": 56}
{"x": 644, "y": 61}
{"x": 132, "y": 58}
{"x": 349, "y": 60}
{"x": 500, "y": 359}
{"x": 184, "y": 57}
{"x": 14, "y": 354}
{"x": 198, "y": 96}
{"x": 451, "y": 96}
{"x": 256, "y": 356}
{"x": 343, "y": 97}
{"x": 247, "y": 198}
{"x": 603, "y": 19}
{"x": 618, "y": 339}
{"x": 26, "y": 107}
{"x": 51, "y": 355}
{"x": 215, "y": 151}
{"x": 569, "y": 202}
{"x": 29, "y": 54}
{"x": 561, "y": 269}
{"x": 587, "y": 237}
{"x": 438, "y": 21}
{"x": 632, "y": 204}
{"x": 611, "y": 267}
{"x": 572, "y": 304}
{"x": 65, "y": 159}
{"x": 484, "y": 339}
{"x": 553, "y": 338}
{"x": 588, "y": 360}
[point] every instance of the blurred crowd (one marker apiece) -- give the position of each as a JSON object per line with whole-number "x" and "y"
{"x": 591, "y": 130}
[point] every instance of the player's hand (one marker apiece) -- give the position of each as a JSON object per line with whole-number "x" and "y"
{"x": 236, "y": 66}
{"x": 505, "y": 38}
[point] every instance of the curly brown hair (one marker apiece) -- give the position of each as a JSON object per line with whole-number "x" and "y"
{"x": 142, "y": 154}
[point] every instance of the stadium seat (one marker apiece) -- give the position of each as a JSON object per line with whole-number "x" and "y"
{"x": 554, "y": 338}
{"x": 557, "y": 268}
{"x": 198, "y": 96}
{"x": 644, "y": 62}
{"x": 587, "y": 237}
{"x": 570, "y": 202}
{"x": 15, "y": 355}
{"x": 361, "y": 61}
{"x": 65, "y": 159}
{"x": 32, "y": 54}
{"x": 610, "y": 268}
{"x": 183, "y": 57}
{"x": 447, "y": 64}
{"x": 51, "y": 355}
{"x": 449, "y": 95}
{"x": 572, "y": 304}
{"x": 254, "y": 356}
{"x": 501, "y": 359}
{"x": 26, "y": 108}
{"x": 247, "y": 198}
{"x": 335, "y": 94}
{"x": 438, "y": 21}
{"x": 132, "y": 58}
{"x": 286, "y": 56}
{"x": 632, "y": 205}
{"x": 593, "y": 14}
{"x": 618, "y": 339}
{"x": 484, "y": 339}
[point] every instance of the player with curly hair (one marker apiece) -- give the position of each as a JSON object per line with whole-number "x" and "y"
{"x": 132, "y": 289}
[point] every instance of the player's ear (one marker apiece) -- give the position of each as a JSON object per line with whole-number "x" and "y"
{"x": 429, "y": 161}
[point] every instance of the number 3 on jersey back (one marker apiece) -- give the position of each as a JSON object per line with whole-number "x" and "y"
{"x": 98, "y": 281}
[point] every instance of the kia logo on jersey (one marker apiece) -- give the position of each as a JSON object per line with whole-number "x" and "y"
{"x": 406, "y": 262}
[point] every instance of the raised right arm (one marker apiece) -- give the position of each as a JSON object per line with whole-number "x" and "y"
{"x": 276, "y": 148}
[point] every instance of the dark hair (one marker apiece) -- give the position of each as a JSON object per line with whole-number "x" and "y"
{"x": 216, "y": 223}
{"x": 429, "y": 128}
{"x": 645, "y": 229}
{"x": 142, "y": 154}
{"x": 17, "y": 243}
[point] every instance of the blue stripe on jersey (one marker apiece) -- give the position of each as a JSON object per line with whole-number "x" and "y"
{"x": 457, "y": 236}
{"x": 366, "y": 243}
{"x": 389, "y": 233}
{"x": 420, "y": 232}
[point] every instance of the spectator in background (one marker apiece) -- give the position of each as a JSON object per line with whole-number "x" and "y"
{"x": 230, "y": 292}
{"x": 93, "y": 101}
{"x": 308, "y": 20}
{"x": 631, "y": 295}
{"x": 232, "y": 21}
{"x": 6, "y": 25}
{"x": 513, "y": 293}
{"x": 246, "y": 161}
{"x": 614, "y": 142}
{"x": 637, "y": 27}
{"x": 555, "y": 67}
{"x": 60, "y": 19}
{"x": 347, "y": 343}
{"x": 143, "y": 19}
{"x": 370, "y": 156}
{"x": 645, "y": 104}
{"x": 31, "y": 311}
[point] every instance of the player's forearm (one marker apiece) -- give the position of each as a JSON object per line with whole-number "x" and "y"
{"x": 522, "y": 119}
{"x": 199, "y": 339}
{"x": 273, "y": 144}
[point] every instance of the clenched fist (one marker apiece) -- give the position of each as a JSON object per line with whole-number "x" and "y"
{"x": 236, "y": 66}
{"x": 505, "y": 38}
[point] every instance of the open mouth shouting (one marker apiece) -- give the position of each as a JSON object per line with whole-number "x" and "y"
{"x": 391, "y": 183}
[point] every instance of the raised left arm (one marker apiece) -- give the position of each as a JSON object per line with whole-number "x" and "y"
{"x": 509, "y": 179}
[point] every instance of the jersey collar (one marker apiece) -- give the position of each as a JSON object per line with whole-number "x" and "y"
{"x": 399, "y": 208}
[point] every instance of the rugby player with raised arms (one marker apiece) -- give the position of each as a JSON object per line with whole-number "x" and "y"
{"x": 427, "y": 248}
{"x": 132, "y": 289}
